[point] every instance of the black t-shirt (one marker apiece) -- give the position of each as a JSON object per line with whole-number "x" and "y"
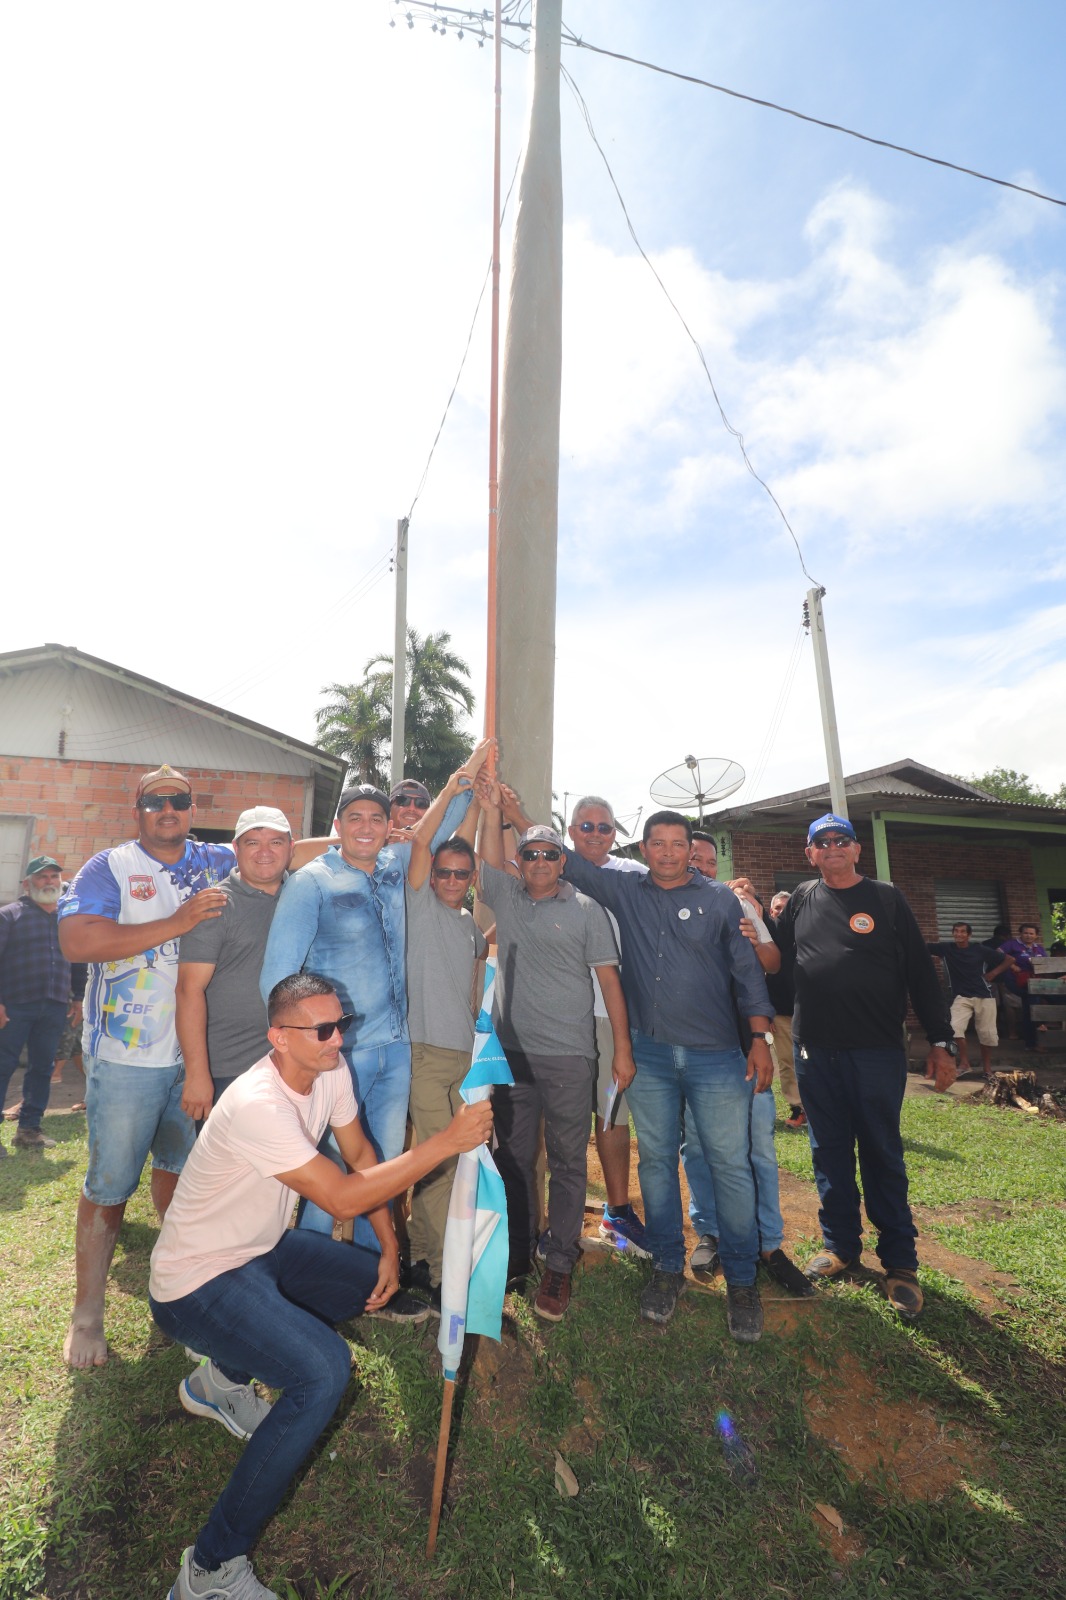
{"x": 966, "y": 967}
{"x": 859, "y": 951}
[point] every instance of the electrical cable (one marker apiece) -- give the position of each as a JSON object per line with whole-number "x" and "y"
{"x": 466, "y": 352}
{"x": 737, "y": 435}
{"x": 819, "y": 122}
{"x": 777, "y": 715}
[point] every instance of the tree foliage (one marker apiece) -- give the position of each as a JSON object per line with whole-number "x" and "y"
{"x": 1006, "y": 784}
{"x": 356, "y": 721}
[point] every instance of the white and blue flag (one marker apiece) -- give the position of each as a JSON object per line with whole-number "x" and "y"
{"x": 474, "y": 1271}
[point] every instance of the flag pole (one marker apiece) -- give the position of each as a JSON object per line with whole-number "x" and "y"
{"x": 442, "y": 1461}
{"x": 494, "y": 403}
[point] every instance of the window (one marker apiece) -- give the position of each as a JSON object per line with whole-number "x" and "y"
{"x": 974, "y": 900}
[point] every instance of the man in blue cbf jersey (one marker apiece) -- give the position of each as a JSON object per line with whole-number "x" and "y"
{"x": 124, "y": 914}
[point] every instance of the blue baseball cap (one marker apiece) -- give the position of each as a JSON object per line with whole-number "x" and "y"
{"x": 828, "y": 822}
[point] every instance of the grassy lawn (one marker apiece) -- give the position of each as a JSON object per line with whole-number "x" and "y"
{"x": 938, "y": 1445}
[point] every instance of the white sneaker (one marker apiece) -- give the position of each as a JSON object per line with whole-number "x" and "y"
{"x": 206, "y": 1393}
{"x": 233, "y": 1580}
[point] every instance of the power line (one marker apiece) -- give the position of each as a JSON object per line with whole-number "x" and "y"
{"x": 479, "y": 18}
{"x": 737, "y": 435}
{"x": 819, "y": 122}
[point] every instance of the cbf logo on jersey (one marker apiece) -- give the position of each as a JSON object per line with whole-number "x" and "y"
{"x": 133, "y": 1011}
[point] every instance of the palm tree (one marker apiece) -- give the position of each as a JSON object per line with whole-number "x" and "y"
{"x": 357, "y": 723}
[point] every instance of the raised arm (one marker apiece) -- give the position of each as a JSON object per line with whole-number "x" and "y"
{"x": 423, "y": 837}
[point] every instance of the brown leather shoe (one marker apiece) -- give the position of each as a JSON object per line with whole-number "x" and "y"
{"x": 903, "y": 1291}
{"x": 826, "y": 1264}
{"x": 553, "y": 1296}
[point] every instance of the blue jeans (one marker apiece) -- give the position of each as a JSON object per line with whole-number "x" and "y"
{"x": 853, "y": 1098}
{"x": 712, "y": 1084}
{"x": 271, "y": 1317}
{"x": 381, "y": 1078}
{"x": 131, "y": 1111}
{"x": 39, "y": 1026}
{"x": 702, "y": 1211}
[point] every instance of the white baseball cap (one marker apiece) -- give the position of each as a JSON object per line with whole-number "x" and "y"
{"x": 261, "y": 817}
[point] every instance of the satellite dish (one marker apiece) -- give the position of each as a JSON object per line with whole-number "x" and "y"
{"x": 697, "y": 782}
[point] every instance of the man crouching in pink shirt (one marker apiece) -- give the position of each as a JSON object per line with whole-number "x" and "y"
{"x": 233, "y": 1281}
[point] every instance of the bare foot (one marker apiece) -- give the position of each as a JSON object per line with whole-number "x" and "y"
{"x": 85, "y": 1344}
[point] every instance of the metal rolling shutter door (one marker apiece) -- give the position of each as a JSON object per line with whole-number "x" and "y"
{"x": 973, "y": 900}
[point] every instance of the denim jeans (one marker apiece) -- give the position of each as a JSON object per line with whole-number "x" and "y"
{"x": 853, "y": 1098}
{"x": 271, "y": 1318}
{"x": 712, "y": 1084}
{"x": 39, "y": 1026}
{"x": 702, "y": 1211}
{"x": 381, "y": 1078}
{"x": 131, "y": 1111}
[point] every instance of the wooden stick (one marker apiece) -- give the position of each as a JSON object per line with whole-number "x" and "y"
{"x": 442, "y": 1461}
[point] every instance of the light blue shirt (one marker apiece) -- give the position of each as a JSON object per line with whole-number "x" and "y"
{"x": 350, "y": 927}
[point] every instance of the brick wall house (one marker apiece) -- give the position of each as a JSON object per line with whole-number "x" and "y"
{"x": 76, "y": 733}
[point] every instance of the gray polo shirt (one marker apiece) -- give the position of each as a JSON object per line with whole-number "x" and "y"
{"x": 233, "y": 944}
{"x": 543, "y": 978}
{"x": 442, "y": 946}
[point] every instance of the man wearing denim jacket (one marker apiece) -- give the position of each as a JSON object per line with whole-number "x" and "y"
{"x": 343, "y": 917}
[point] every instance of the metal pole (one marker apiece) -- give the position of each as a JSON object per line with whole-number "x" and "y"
{"x": 816, "y": 622}
{"x": 494, "y": 399}
{"x": 399, "y": 654}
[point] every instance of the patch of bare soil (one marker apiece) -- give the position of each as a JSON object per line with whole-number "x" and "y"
{"x": 900, "y": 1443}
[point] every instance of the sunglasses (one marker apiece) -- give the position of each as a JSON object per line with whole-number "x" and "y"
{"x": 325, "y": 1030}
{"x": 159, "y": 802}
{"x": 824, "y": 843}
{"x": 462, "y": 873}
{"x": 595, "y": 827}
{"x": 416, "y": 800}
{"x": 540, "y": 855}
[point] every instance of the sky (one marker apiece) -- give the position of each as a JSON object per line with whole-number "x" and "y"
{"x": 243, "y": 248}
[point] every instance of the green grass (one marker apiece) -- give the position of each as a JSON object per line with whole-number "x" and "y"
{"x": 106, "y": 1478}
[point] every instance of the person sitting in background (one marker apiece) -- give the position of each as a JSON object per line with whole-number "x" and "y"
{"x": 1022, "y": 952}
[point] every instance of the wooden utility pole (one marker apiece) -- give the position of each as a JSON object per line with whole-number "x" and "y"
{"x": 529, "y": 442}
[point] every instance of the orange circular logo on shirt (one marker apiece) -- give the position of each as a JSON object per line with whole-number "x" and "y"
{"x": 861, "y": 922}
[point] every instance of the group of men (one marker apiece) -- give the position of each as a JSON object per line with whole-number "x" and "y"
{"x": 628, "y": 990}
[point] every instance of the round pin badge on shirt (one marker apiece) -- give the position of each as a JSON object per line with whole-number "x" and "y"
{"x": 861, "y": 922}
{"x": 684, "y": 914}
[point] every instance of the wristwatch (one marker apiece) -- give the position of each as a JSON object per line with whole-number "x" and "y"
{"x": 767, "y": 1036}
{"x": 949, "y": 1045}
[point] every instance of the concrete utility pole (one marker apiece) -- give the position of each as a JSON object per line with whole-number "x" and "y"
{"x": 399, "y": 656}
{"x": 529, "y": 442}
{"x": 838, "y": 800}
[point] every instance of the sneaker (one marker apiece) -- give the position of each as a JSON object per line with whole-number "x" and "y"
{"x": 32, "y": 1139}
{"x": 659, "y": 1300}
{"x": 415, "y": 1275}
{"x": 787, "y": 1274}
{"x": 553, "y": 1296}
{"x": 797, "y": 1117}
{"x": 704, "y": 1259}
{"x": 903, "y": 1291}
{"x": 402, "y": 1307}
{"x": 518, "y": 1276}
{"x": 541, "y": 1252}
{"x": 206, "y": 1393}
{"x": 233, "y": 1580}
{"x": 744, "y": 1312}
{"x": 826, "y": 1264}
{"x": 625, "y": 1231}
